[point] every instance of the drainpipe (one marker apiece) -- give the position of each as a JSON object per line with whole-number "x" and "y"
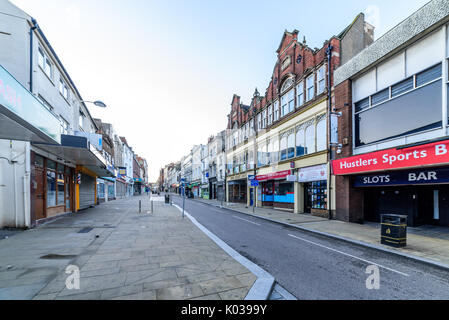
{"x": 329, "y": 86}
{"x": 34, "y": 27}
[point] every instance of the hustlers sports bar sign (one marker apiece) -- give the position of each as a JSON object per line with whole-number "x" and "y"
{"x": 424, "y": 155}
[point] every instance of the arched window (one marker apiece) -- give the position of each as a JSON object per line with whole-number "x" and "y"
{"x": 270, "y": 152}
{"x": 286, "y": 85}
{"x": 310, "y": 139}
{"x": 291, "y": 146}
{"x": 321, "y": 134}
{"x": 300, "y": 146}
{"x": 275, "y": 152}
{"x": 284, "y": 148}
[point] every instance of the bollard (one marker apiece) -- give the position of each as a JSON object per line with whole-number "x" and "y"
{"x": 140, "y": 206}
{"x": 152, "y": 207}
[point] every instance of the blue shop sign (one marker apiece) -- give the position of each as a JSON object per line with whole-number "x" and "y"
{"x": 425, "y": 176}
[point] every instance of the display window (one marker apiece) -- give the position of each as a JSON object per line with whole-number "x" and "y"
{"x": 316, "y": 193}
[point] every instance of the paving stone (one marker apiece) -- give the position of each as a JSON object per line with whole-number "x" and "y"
{"x": 235, "y": 294}
{"x": 121, "y": 291}
{"x": 147, "y": 295}
{"x": 220, "y": 284}
{"x": 182, "y": 292}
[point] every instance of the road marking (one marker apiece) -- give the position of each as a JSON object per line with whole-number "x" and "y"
{"x": 349, "y": 255}
{"x": 247, "y": 220}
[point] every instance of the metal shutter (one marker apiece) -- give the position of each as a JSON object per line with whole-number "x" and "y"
{"x": 87, "y": 192}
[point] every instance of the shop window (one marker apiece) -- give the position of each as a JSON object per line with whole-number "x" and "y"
{"x": 284, "y": 148}
{"x": 51, "y": 183}
{"x": 300, "y": 146}
{"x": 321, "y": 135}
{"x": 291, "y": 146}
{"x": 61, "y": 186}
{"x": 310, "y": 140}
{"x": 38, "y": 161}
{"x": 317, "y": 195}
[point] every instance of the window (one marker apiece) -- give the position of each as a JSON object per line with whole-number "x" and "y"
{"x": 402, "y": 87}
{"x": 284, "y": 148}
{"x": 261, "y": 154}
{"x": 401, "y": 116}
{"x": 264, "y": 121}
{"x": 321, "y": 135}
{"x": 300, "y": 93}
{"x": 276, "y": 111}
{"x": 363, "y": 104}
{"x": 64, "y": 126}
{"x": 63, "y": 89}
{"x": 259, "y": 122}
{"x": 61, "y": 186}
{"x": 310, "y": 139}
{"x": 81, "y": 120}
{"x": 51, "y": 183}
{"x": 414, "y": 106}
{"x": 310, "y": 87}
{"x": 291, "y": 146}
{"x": 429, "y": 75}
{"x": 274, "y": 157}
{"x": 300, "y": 146}
{"x": 270, "y": 114}
{"x": 321, "y": 80}
{"x": 380, "y": 97}
{"x": 291, "y": 101}
{"x": 252, "y": 127}
{"x": 44, "y": 62}
{"x": 284, "y": 106}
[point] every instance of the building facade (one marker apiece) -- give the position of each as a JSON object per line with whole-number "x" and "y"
{"x": 393, "y": 96}
{"x": 278, "y": 146}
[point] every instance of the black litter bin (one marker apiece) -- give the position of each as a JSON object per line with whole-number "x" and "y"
{"x": 167, "y": 199}
{"x": 394, "y": 230}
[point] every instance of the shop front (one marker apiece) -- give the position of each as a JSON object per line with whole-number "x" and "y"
{"x": 315, "y": 186}
{"x": 414, "y": 182}
{"x": 52, "y": 188}
{"x": 237, "y": 190}
{"x": 195, "y": 189}
{"x": 276, "y": 191}
{"x": 205, "y": 191}
{"x": 213, "y": 188}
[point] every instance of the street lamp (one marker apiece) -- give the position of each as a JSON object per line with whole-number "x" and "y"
{"x": 99, "y": 104}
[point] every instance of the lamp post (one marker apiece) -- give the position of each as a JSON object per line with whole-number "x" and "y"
{"x": 97, "y": 103}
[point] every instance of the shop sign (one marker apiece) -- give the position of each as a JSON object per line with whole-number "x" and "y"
{"x": 424, "y": 155}
{"x": 430, "y": 176}
{"x": 273, "y": 176}
{"x": 18, "y": 100}
{"x": 292, "y": 178}
{"x": 251, "y": 177}
{"x": 311, "y": 174}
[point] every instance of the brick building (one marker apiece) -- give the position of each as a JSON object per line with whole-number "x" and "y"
{"x": 393, "y": 97}
{"x": 281, "y": 138}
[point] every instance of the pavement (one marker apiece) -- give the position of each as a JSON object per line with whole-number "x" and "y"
{"x": 121, "y": 254}
{"x": 313, "y": 266}
{"x": 427, "y": 243}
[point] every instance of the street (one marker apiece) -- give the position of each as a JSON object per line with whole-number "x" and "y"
{"x": 314, "y": 267}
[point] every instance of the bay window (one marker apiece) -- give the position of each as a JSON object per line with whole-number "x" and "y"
{"x": 300, "y": 93}
{"x": 310, "y": 139}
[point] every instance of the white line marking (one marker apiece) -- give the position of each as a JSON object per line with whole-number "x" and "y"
{"x": 247, "y": 221}
{"x": 349, "y": 255}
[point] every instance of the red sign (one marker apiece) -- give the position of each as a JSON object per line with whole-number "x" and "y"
{"x": 424, "y": 155}
{"x": 273, "y": 176}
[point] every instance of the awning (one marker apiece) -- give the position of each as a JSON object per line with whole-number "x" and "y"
{"x": 22, "y": 116}
{"x": 80, "y": 152}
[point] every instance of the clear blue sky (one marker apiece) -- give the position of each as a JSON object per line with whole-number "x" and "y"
{"x": 168, "y": 69}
